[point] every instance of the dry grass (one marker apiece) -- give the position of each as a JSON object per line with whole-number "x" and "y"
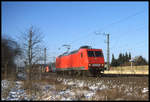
{"x": 129, "y": 70}
{"x": 10, "y": 76}
{"x": 139, "y": 68}
{"x": 34, "y": 87}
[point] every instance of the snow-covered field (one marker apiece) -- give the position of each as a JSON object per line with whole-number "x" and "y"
{"x": 16, "y": 92}
{"x": 77, "y": 89}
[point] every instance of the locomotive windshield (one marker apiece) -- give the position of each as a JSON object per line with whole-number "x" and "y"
{"x": 95, "y": 54}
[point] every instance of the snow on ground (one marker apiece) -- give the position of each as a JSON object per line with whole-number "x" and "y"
{"x": 4, "y": 84}
{"x": 145, "y": 90}
{"x": 74, "y": 89}
{"x": 15, "y": 93}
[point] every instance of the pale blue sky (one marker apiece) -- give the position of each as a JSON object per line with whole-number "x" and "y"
{"x": 75, "y": 23}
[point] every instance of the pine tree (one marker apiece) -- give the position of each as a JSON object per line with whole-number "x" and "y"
{"x": 123, "y": 58}
{"x": 116, "y": 62}
{"x": 129, "y": 56}
{"x": 120, "y": 59}
{"x": 113, "y": 60}
{"x": 126, "y": 57}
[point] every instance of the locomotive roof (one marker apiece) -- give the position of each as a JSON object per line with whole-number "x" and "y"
{"x": 72, "y": 52}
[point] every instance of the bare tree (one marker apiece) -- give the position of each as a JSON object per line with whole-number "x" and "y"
{"x": 32, "y": 48}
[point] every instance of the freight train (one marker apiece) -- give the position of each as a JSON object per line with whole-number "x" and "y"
{"x": 84, "y": 61}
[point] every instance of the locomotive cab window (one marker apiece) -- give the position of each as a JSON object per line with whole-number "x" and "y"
{"x": 98, "y": 54}
{"x": 90, "y": 54}
{"x": 95, "y": 54}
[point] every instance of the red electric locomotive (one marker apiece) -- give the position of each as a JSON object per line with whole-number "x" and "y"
{"x": 84, "y": 60}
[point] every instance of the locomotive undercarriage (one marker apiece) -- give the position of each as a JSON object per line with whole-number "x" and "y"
{"x": 96, "y": 72}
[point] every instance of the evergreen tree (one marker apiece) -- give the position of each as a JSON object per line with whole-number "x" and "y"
{"x": 129, "y": 56}
{"x": 120, "y": 59}
{"x": 126, "y": 57}
{"x": 116, "y": 63}
{"x": 123, "y": 58}
{"x": 140, "y": 61}
{"x": 112, "y": 61}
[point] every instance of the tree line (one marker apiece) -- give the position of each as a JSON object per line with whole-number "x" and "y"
{"x": 124, "y": 60}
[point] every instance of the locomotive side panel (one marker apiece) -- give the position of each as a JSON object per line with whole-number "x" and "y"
{"x": 80, "y": 60}
{"x": 65, "y": 62}
{"x": 83, "y": 59}
{"x": 75, "y": 61}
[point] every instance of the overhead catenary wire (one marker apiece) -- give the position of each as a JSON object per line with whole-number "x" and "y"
{"x": 119, "y": 38}
{"x": 123, "y": 19}
{"x": 109, "y": 25}
{"x": 128, "y": 46}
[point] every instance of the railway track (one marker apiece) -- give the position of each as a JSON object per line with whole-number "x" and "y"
{"x": 124, "y": 75}
{"x": 51, "y": 74}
